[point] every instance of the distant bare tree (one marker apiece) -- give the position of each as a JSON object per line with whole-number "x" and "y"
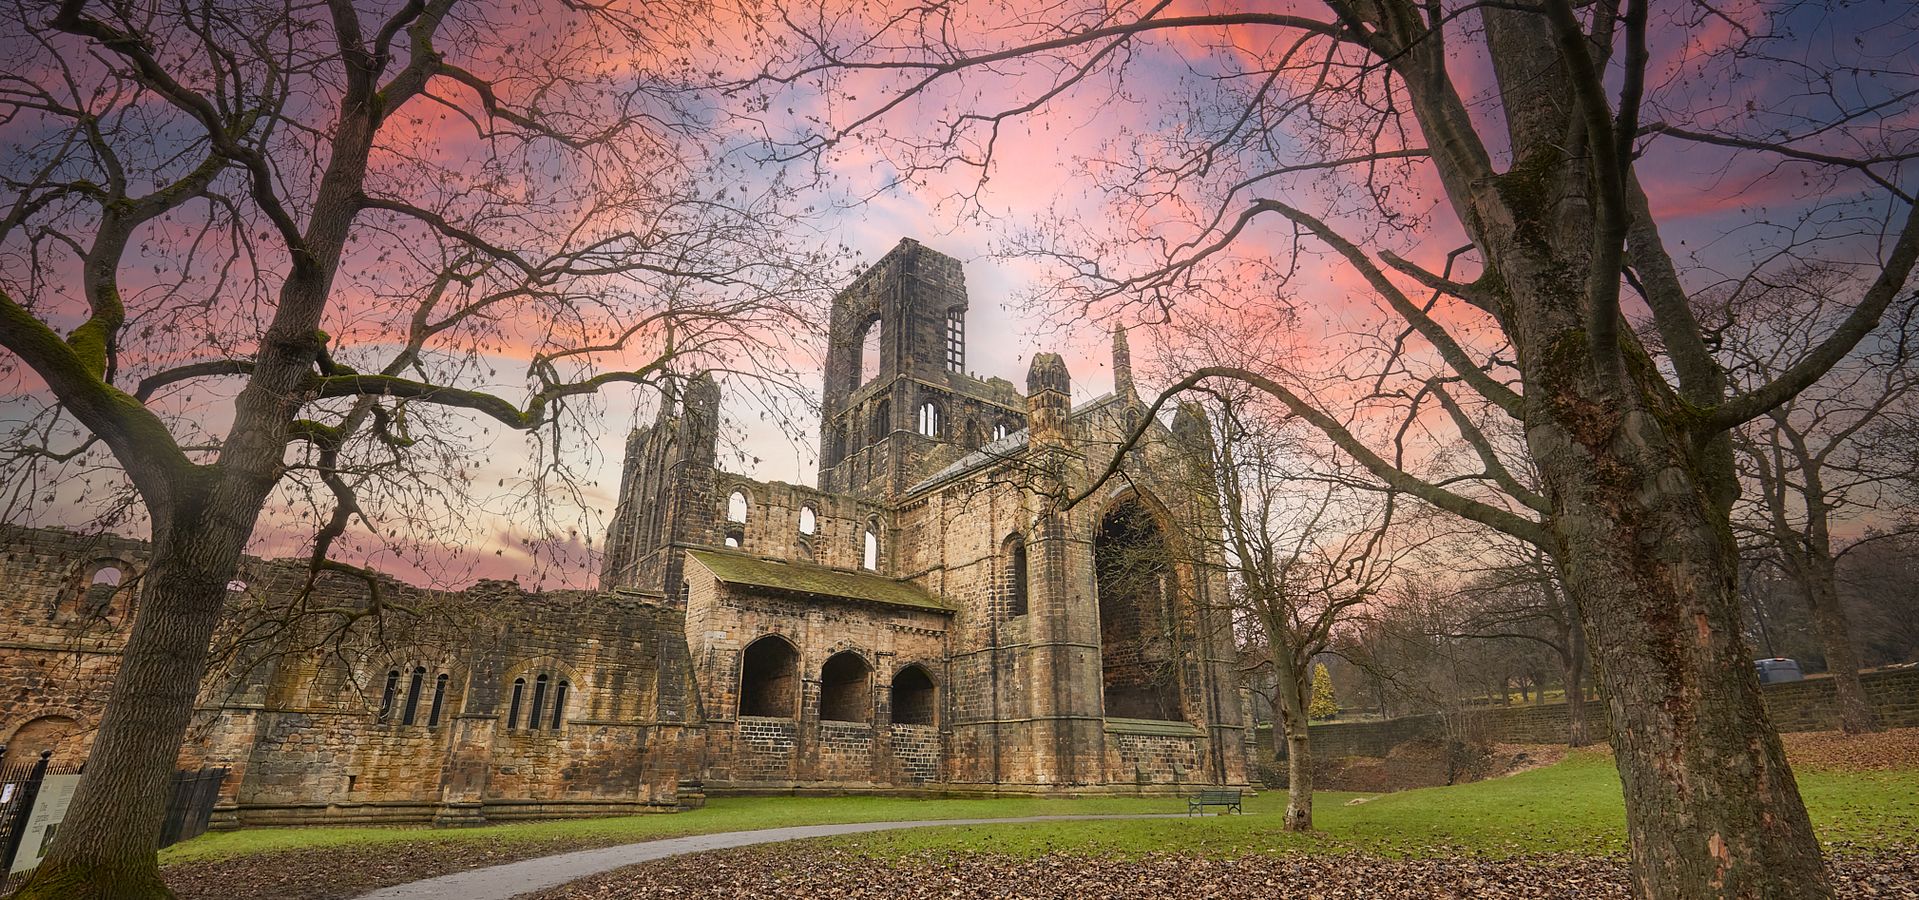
{"x": 253, "y": 250}
{"x": 1513, "y": 601}
{"x": 1827, "y": 458}
{"x": 1304, "y": 555}
{"x": 1878, "y": 582}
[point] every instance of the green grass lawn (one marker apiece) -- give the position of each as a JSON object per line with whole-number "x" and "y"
{"x": 1571, "y": 807}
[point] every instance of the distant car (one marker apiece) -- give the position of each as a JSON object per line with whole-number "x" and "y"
{"x": 1775, "y": 671}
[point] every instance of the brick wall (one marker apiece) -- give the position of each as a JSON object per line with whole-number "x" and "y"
{"x": 844, "y": 752}
{"x": 1158, "y": 759}
{"x": 916, "y": 750}
{"x": 1794, "y": 706}
{"x": 764, "y": 748}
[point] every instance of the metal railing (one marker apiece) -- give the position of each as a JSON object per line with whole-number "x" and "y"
{"x": 189, "y": 806}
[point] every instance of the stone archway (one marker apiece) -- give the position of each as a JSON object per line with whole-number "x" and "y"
{"x": 1138, "y": 615}
{"x": 770, "y": 678}
{"x": 61, "y": 734}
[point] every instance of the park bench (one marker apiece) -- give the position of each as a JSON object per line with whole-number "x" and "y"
{"x": 1226, "y": 799}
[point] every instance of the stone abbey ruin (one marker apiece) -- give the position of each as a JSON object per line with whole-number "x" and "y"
{"x": 924, "y": 620}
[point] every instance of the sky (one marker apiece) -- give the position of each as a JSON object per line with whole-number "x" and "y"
{"x": 1709, "y": 204}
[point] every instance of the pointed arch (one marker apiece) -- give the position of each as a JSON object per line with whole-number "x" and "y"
{"x": 1140, "y": 633}
{"x": 1015, "y": 582}
{"x": 870, "y": 546}
{"x": 870, "y": 357}
{"x": 846, "y": 688}
{"x": 769, "y": 678}
{"x": 915, "y": 699}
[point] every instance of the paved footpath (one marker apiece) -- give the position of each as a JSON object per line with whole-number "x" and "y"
{"x": 515, "y": 878}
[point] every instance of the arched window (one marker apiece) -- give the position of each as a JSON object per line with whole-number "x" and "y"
{"x": 538, "y": 715}
{"x": 929, "y": 422}
{"x": 914, "y": 698}
{"x": 559, "y": 705}
{"x": 882, "y": 421}
{"x": 845, "y": 689}
{"x": 1000, "y": 432}
{"x": 809, "y": 522}
{"x": 769, "y": 678}
{"x": 439, "y": 701}
{"x": 869, "y": 352}
{"x": 736, "y": 507}
{"x": 1138, "y": 615}
{"x": 390, "y": 695}
{"x": 735, "y": 537}
{"x": 101, "y": 588}
{"x": 513, "y": 710}
{"x": 1013, "y": 552}
{"x": 539, "y": 702}
{"x": 956, "y": 339}
{"x": 413, "y": 688}
{"x": 870, "y": 548}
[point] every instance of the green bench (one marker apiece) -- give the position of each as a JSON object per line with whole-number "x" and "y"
{"x": 1228, "y": 800}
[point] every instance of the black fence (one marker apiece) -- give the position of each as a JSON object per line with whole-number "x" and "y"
{"x": 189, "y": 806}
{"x": 19, "y": 785}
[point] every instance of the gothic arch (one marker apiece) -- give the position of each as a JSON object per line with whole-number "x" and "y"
{"x": 915, "y": 696}
{"x": 60, "y": 730}
{"x": 1141, "y": 609}
{"x": 770, "y": 678}
{"x": 846, "y": 688}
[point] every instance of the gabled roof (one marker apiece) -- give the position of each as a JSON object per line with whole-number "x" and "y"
{"x": 1003, "y": 449}
{"x": 817, "y": 581}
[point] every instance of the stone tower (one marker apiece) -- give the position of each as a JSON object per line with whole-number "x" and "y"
{"x": 666, "y": 488}
{"x": 898, "y": 403}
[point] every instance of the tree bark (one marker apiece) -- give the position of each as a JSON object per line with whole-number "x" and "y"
{"x": 108, "y": 842}
{"x": 1578, "y": 729}
{"x": 1713, "y": 807}
{"x": 1295, "y": 693}
{"x": 1856, "y": 715}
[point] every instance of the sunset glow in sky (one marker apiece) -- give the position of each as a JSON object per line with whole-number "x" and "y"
{"x": 1049, "y": 185}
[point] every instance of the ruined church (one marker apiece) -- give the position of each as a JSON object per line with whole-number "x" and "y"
{"x": 926, "y": 619}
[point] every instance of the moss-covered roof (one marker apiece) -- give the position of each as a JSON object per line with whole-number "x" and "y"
{"x": 800, "y": 578}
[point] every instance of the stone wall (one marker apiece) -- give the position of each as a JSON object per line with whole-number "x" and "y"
{"x": 1794, "y": 706}
{"x": 651, "y": 669}
{"x": 318, "y": 736}
{"x": 916, "y": 750}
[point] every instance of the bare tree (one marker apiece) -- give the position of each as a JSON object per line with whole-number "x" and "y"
{"x": 267, "y": 254}
{"x": 1877, "y": 582}
{"x": 1515, "y": 602}
{"x": 1304, "y": 555}
{"x": 1281, "y": 144}
{"x": 1826, "y": 461}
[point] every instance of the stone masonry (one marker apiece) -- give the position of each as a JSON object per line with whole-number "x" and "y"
{"x": 927, "y": 619}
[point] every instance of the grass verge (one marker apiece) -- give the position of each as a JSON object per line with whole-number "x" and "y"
{"x": 1571, "y": 807}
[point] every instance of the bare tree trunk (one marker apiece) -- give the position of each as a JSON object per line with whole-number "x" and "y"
{"x": 1578, "y": 731}
{"x": 113, "y": 827}
{"x": 1856, "y": 714}
{"x": 1294, "y": 695}
{"x": 1299, "y": 778}
{"x": 1650, "y": 561}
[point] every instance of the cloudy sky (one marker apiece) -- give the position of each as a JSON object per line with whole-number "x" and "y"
{"x": 1720, "y": 208}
